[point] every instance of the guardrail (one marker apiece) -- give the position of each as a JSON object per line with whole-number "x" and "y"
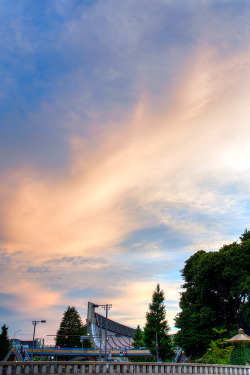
{"x": 141, "y": 368}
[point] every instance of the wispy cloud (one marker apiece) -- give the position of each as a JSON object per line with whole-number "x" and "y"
{"x": 123, "y": 149}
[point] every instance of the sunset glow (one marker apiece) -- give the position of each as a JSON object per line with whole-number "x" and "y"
{"x": 124, "y": 149}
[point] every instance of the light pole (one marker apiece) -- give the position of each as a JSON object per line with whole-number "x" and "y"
{"x": 20, "y": 330}
{"x": 106, "y": 308}
{"x": 35, "y": 322}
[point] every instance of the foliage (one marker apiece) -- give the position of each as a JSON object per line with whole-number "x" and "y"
{"x": 216, "y": 295}
{"x": 195, "y": 334}
{"x": 219, "y": 351}
{"x": 138, "y": 338}
{"x": 240, "y": 354}
{"x": 38, "y": 359}
{"x": 138, "y": 342}
{"x": 70, "y": 330}
{"x": 245, "y": 236}
{"x": 4, "y": 342}
{"x": 156, "y": 336}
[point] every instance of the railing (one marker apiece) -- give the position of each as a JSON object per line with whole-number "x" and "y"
{"x": 82, "y": 368}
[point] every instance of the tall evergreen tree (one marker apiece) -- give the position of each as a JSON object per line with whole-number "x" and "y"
{"x": 70, "y": 330}
{"x": 4, "y": 342}
{"x": 156, "y": 329}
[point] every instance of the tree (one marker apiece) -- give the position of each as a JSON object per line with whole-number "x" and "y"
{"x": 4, "y": 342}
{"x": 70, "y": 330}
{"x": 138, "y": 342}
{"x": 196, "y": 333}
{"x": 217, "y": 291}
{"x": 138, "y": 338}
{"x": 156, "y": 329}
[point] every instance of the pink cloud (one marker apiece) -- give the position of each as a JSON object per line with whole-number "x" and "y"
{"x": 129, "y": 177}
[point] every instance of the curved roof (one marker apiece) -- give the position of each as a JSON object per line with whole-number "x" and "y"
{"x": 119, "y": 336}
{"x": 240, "y": 337}
{"x": 113, "y": 326}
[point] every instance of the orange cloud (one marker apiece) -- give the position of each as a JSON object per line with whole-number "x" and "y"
{"x": 113, "y": 177}
{"x": 159, "y": 166}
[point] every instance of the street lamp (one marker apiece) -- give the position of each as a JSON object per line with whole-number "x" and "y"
{"x": 35, "y": 322}
{"x": 106, "y": 308}
{"x": 20, "y": 330}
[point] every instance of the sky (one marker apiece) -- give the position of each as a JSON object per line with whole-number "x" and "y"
{"x": 124, "y": 149}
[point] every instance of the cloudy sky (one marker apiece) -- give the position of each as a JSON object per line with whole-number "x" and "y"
{"x": 124, "y": 149}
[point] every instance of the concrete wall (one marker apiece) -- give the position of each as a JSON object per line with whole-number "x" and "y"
{"x": 142, "y": 368}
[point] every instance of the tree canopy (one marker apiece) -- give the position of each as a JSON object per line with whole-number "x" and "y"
{"x": 4, "y": 342}
{"x": 217, "y": 290}
{"x": 70, "y": 330}
{"x": 156, "y": 329}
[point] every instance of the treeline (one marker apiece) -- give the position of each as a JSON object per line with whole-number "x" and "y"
{"x": 215, "y": 297}
{"x": 214, "y": 304}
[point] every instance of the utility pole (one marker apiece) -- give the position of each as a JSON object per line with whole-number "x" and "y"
{"x": 106, "y": 307}
{"x": 35, "y": 322}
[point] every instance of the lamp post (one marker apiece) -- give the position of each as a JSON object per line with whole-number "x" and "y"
{"x": 20, "y": 330}
{"x": 106, "y": 307}
{"x": 35, "y": 322}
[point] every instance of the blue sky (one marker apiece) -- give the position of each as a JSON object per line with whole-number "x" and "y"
{"x": 124, "y": 149}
